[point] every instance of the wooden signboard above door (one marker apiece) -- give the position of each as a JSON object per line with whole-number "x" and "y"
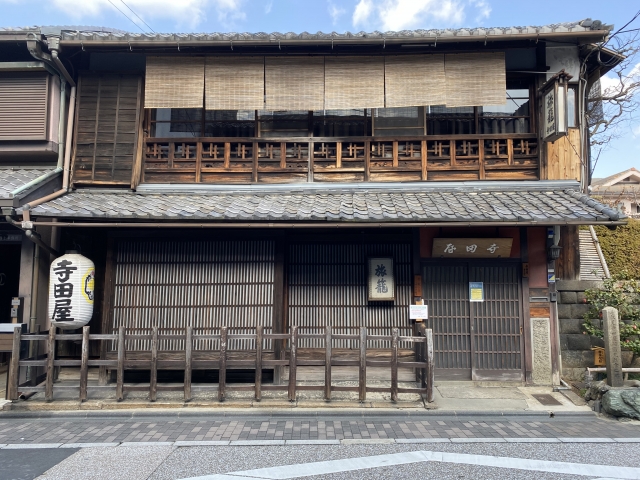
{"x": 472, "y": 247}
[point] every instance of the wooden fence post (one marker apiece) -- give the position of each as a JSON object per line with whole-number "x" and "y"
{"x": 327, "y": 363}
{"x": 14, "y": 368}
{"x": 188, "y": 347}
{"x": 120, "y": 371}
{"x": 258, "y": 381}
{"x": 394, "y": 365}
{"x": 84, "y": 364}
{"x": 363, "y": 364}
{"x": 293, "y": 354}
{"x": 153, "y": 381}
{"x": 222, "y": 367}
{"x": 430, "y": 368}
{"x": 48, "y": 389}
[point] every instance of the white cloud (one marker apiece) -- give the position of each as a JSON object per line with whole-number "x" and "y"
{"x": 186, "y": 13}
{"x": 407, "y": 14}
{"x": 362, "y": 12}
{"x": 335, "y": 12}
{"x": 268, "y": 7}
{"x": 483, "y": 9}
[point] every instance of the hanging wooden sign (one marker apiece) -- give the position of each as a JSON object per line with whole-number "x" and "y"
{"x": 381, "y": 280}
{"x": 555, "y": 119}
{"x": 472, "y": 247}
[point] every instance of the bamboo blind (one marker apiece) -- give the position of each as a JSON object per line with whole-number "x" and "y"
{"x": 354, "y": 82}
{"x": 174, "y": 82}
{"x": 234, "y": 83}
{"x": 294, "y": 83}
{"x": 415, "y": 80}
{"x": 475, "y": 79}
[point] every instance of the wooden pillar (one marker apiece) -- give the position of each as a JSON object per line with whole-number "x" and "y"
{"x": 107, "y": 304}
{"x": 279, "y": 300}
{"x": 568, "y": 265}
{"x": 526, "y": 314}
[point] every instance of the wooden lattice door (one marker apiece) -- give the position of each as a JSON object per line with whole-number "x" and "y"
{"x": 475, "y": 340}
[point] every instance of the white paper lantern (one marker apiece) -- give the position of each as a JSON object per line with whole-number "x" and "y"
{"x": 71, "y": 283}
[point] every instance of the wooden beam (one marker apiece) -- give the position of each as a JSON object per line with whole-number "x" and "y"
{"x": 120, "y": 368}
{"x": 84, "y": 364}
{"x": 431, "y": 371}
{"x": 394, "y": 365}
{"x": 222, "y": 364}
{"x": 423, "y": 159}
{"x": 51, "y": 354}
{"x": 279, "y": 288}
{"x": 14, "y": 368}
{"x": 107, "y": 305}
{"x": 293, "y": 360}
{"x": 258, "y": 379}
{"x": 188, "y": 354}
{"x": 153, "y": 382}
{"x": 362, "y": 371}
{"x": 327, "y": 362}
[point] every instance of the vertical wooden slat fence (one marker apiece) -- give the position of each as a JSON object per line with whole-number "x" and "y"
{"x": 223, "y": 360}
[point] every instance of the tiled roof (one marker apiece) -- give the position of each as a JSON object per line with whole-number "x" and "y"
{"x": 15, "y": 177}
{"x": 408, "y": 203}
{"x": 101, "y": 34}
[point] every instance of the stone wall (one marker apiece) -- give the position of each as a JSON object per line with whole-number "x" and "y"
{"x": 574, "y": 344}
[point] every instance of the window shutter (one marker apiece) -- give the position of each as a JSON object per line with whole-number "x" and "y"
{"x": 415, "y": 80}
{"x": 354, "y": 82}
{"x": 475, "y": 79}
{"x": 174, "y": 82}
{"x": 234, "y": 83}
{"x": 23, "y": 107}
{"x": 106, "y": 134}
{"x": 294, "y": 83}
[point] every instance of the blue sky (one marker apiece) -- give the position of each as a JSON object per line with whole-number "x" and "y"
{"x": 334, "y": 15}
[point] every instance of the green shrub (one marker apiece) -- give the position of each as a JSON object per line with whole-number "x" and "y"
{"x": 622, "y": 293}
{"x": 621, "y": 248}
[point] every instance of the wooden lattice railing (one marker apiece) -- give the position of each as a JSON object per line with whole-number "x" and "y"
{"x": 223, "y": 360}
{"x": 353, "y": 159}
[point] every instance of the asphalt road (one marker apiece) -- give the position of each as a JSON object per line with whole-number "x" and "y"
{"x": 140, "y": 447}
{"x": 446, "y": 461}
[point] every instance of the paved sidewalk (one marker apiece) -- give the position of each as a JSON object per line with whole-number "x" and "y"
{"x": 170, "y": 427}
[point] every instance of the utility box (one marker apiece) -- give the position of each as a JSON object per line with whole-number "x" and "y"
{"x": 16, "y": 309}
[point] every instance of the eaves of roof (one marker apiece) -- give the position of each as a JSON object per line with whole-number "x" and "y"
{"x": 590, "y": 31}
{"x": 395, "y": 205}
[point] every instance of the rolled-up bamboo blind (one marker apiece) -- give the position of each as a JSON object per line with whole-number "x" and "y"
{"x": 294, "y": 83}
{"x": 174, "y": 82}
{"x": 475, "y": 79}
{"x": 412, "y": 80}
{"x": 234, "y": 83}
{"x": 353, "y": 82}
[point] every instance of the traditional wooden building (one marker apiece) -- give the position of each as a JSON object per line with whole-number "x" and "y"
{"x": 331, "y": 179}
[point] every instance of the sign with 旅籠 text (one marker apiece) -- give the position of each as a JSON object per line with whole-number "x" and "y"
{"x": 472, "y": 247}
{"x": 381, "y": 285}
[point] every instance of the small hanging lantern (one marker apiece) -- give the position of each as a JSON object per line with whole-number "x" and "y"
{"x": 71, "y": 291}
{"x": 555, "y": 121}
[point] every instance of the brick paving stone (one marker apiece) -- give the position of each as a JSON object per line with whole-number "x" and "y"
{"x": 88, "y": 430}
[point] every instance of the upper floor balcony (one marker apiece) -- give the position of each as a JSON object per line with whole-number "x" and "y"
{"x": 341, "y": 159}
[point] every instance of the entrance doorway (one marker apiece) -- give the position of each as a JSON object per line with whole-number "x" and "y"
{"x": 9, "y": 278}
{"x": 475, "y": 340}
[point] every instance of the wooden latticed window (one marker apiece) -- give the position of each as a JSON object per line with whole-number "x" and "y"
{"x": 107, "y": 126}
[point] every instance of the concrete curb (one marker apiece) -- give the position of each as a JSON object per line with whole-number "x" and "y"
{"x": 347, "y": 441}
{"x": 289, "y": 413}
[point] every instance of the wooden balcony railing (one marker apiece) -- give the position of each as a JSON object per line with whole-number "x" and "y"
{"x": 354, "y": 159}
